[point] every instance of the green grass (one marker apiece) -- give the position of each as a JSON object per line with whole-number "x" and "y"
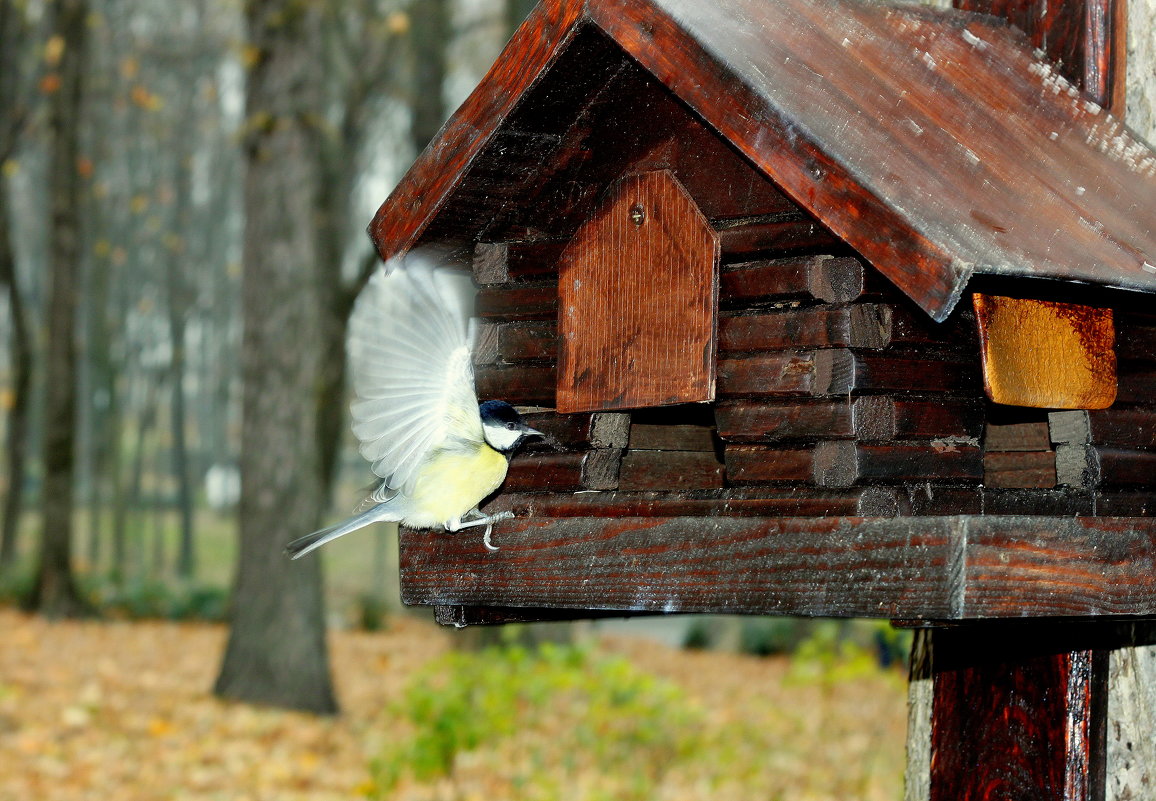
{"x": 571, "y": 711}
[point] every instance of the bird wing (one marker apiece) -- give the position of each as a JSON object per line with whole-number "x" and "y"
{"x": 410, "y": 347}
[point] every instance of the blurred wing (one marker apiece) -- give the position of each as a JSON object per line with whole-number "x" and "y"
{"x": 410, "y": 350}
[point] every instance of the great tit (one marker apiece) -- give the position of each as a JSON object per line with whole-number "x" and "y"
{"x": 438, "y": 453}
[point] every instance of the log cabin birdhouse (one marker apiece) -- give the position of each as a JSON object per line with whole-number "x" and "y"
{"x": 829, "y": 309}
{"x": 864, "y": 278}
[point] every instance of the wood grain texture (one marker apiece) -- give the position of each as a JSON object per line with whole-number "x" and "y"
{"x": 825, "y": 278}
{"x": 578, "y": 431}
{"x": 564, "y": 472}
{"x": 514, "y": 342}
{"x": 671, "y": 437}
{"x": 1026, "y": 469}
{"x": 778, "y": 234}
{"x": 1114, "y": 428}
{"x": 1046, "y": 355}
{"x": 758, "y": 464}
{"x": 538, "y": 301}
{"x": 869, "y": 418}
{"x": 520, "y": 385}
{"x": 1016, "y": 718}
{"x": 1137, "y": 382}
{"x": 919, "y": 568}
{"x": 504, "y": 262}
{"x": 1018, "y": 436}
{"x": 1091, "y": 466}
{"x": 837, "y": 371}
{"x": 732, "y": 502}
{"x": 859, "y": 326}
{"x": 776, "y": 421}
{"x": 638, "y": 302}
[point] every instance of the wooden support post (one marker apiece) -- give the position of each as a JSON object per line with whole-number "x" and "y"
{"x": 1019, "y": 710}
{"x": 1017, "y": 714}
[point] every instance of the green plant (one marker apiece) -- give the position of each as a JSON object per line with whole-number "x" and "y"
{"x": 566, "y": 711}
{"x": 767, "y": 636}
{"x": 153, "y": 598}
{"x": 842, "y": 650}
{"x": 372, "y": 611}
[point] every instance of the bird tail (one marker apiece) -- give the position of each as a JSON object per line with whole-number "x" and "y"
{"x": 311, "y": 542}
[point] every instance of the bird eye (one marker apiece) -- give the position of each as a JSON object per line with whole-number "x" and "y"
{"x": 511, "y": 426}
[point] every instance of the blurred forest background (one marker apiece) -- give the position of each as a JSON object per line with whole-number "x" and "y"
{"x": 184, "y": 188}
{"x": 184, "y": 191}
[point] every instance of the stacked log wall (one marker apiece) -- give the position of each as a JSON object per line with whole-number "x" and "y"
{"x": 1109, "y": 455}
{"x": 835, "y": 395}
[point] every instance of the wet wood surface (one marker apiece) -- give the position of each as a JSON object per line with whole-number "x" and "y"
{"x": 1084, "y": 38}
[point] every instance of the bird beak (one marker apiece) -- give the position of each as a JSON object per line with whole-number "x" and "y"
{"x": 532, "y": 432}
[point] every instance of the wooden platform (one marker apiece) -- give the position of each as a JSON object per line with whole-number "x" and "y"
{"x": 912, "y": 568}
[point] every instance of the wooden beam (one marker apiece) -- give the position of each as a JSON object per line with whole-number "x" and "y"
{"x": 837, "y": 371}
{"x": 920, "y": 568}
{"x": 842, "y": 463}
{"x": 823, "y": 278}
{"x": 732, "y": 501}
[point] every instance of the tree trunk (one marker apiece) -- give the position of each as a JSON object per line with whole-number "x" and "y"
{"x": 178, "y": 303}
{"x": 20, "y": 355}
{"x": 277, "y": 650}
{"x": 55, "y": 592}
{"x": 431, "y": 34}
{"x": 13, "y": 32}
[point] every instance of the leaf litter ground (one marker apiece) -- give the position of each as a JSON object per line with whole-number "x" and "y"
{"x": 122, "y": 711}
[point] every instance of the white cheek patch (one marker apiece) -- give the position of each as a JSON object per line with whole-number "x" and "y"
{"x": 500, "y": 437}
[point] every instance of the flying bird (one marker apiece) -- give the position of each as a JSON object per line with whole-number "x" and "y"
{"x": 438, "y": 453}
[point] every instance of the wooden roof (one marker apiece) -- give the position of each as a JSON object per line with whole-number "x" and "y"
{"x": 937, "y": 144}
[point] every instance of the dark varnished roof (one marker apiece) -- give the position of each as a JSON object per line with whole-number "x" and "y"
{"x": 937, "y": 144}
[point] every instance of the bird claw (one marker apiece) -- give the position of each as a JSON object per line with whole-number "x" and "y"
{"x": 482, "y": 520}
{"x": 490, "y": 528}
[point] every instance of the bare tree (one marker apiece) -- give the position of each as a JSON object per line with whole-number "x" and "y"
{"x": 359, "y": 39}
{"x": 14, "y": 116}
{"x": 277, "y": 650}
{"x": 55, "y": 592}
{"x": 430, "y": 36}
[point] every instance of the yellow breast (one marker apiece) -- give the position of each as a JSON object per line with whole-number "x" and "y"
{"x": 454, "y": 482}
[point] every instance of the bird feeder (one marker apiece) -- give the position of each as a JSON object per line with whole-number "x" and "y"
{"x": 829, "y": 309}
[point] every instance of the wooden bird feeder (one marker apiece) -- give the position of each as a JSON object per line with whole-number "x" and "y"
{"x": 830, "y": 309}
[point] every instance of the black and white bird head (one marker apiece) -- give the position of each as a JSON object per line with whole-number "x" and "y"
{"x": 503, "y": 428}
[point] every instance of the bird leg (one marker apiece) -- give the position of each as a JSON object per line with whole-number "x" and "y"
{"x": 480, "y": 519}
